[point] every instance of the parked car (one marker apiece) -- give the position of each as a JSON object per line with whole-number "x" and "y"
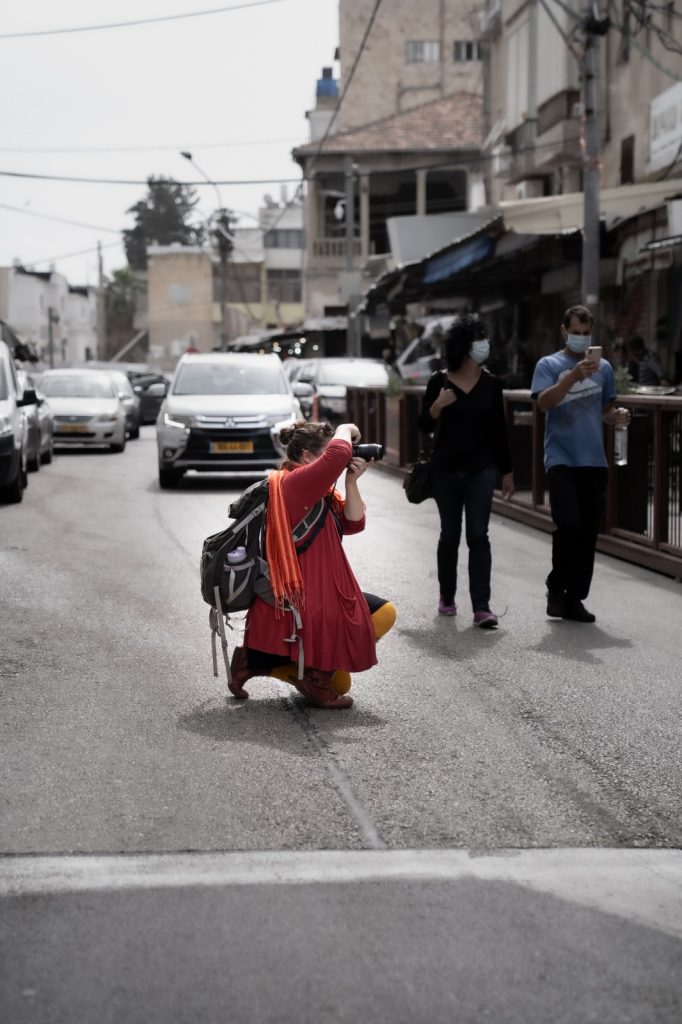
{"x": 13, "y": 429}
{"x": 39, "y": 423}
{"x": 86, "y": 408}
{"x": 329, "y": 379}
{"x": 130, "y": 401}
{"x": 223, "y": 412}
{"x": 424, "y": 355}
{"x": 151, "y": 389}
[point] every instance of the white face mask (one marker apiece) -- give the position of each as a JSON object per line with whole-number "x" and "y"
{"x": 579, "y": 342}
{"x": 480, "y": 350}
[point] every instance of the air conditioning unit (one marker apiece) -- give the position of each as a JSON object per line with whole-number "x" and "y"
{"x": 500, "y": 162}
{"x": 530, "y": 188}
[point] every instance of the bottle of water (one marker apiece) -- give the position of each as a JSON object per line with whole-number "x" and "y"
{"x": 620, "y": 444}
{"x": 237, "y": 555}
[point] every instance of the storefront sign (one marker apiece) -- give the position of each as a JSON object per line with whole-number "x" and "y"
{"x": 665, "y": 127}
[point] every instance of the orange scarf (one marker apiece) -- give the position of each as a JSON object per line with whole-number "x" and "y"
{"x": 285, "y": 572}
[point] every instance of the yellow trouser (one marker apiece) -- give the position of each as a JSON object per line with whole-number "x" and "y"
{"x": 383, "y": 620}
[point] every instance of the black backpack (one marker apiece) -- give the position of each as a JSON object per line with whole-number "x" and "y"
{"x": 234, "y": 568}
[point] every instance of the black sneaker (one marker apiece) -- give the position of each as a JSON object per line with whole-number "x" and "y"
{"x": 556, "y": 604}
{"x": 577, "y": 612}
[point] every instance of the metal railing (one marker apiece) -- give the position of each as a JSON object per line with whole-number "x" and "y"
{"x": 642, "y": 520}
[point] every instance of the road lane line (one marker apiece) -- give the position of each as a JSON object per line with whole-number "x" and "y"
{"x": 643, "y": 886}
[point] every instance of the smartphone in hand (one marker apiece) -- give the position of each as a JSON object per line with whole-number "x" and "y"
{"x": 594, "y": 353}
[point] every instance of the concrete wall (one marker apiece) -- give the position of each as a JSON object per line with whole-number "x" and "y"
{"x": 181, "y": 309}
{"x": 384, "y": 82}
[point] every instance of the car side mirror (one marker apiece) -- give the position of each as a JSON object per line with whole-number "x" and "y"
{"x": 29, "y": 397}
{"x": 303, "y": 390}
{"x": 157, "y": 390}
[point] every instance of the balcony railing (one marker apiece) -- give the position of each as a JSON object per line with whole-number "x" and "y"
{"x": 333, "y": 248}
{"x": 642, "y": 520}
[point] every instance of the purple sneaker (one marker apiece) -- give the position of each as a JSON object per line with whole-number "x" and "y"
{"x": 447, "y": 607}
{"x": 485, "y": 619}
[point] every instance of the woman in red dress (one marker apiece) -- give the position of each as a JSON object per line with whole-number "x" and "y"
{"x": 340, "y": 624}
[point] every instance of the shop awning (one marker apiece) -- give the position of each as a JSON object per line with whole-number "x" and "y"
{"x": 551, "y": 215}
{"x": 445, "y": 265}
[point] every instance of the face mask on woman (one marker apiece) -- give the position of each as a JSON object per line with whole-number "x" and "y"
{"x": 579, "y": 342}
{"x": 480, "y": 350}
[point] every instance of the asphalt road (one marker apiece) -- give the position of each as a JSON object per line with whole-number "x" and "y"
{"x": 171, "y": 855}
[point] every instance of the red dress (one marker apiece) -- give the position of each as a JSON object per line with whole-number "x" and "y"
{"x": 337, "y": 628}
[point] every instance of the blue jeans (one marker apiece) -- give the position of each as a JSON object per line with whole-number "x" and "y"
{"x": 471, "y": 493}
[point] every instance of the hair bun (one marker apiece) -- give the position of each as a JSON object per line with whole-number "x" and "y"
{"x": 286, "y": 434}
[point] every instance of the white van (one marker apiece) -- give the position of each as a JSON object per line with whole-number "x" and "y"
{"x": 13, "y": 430}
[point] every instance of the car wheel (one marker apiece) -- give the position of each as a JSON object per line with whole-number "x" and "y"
{"x": 119, "y": 447}
{"x": 169, "y": 478}
{"x": 33, "y": 465}
{"x": 135, "y": 432}
{"x": 46, "y": 457}
{"x": 14, "y": 492}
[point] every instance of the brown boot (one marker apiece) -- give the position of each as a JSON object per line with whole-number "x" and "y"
{"x": 317, "y": 687}
{"x": 240, "y": 672}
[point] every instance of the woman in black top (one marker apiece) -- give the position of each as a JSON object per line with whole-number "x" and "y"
{"x": 464, "y": 406}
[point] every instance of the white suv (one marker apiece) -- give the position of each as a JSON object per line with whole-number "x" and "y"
{"x": 224, "y": 412}
{"x": 13, "y": 429}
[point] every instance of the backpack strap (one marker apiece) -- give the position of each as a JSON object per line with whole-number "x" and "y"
{"x": 305, "y": 532}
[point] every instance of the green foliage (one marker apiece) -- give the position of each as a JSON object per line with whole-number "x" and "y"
{"x": 120, "y": 292}
{"x": 395, "y": 386}
{"x": 222, "y": 229}
{"x": 161, "y": 217}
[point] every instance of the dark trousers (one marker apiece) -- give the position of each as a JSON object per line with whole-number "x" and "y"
{"x": 471, "y": 493}
{"x": 576, "y": 497}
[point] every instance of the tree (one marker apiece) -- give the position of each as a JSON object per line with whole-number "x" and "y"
{"x": 120, "y": 300}
{"x": 161, "y": 217}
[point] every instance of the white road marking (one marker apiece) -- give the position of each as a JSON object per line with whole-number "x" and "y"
{"x": 643, "y": 886}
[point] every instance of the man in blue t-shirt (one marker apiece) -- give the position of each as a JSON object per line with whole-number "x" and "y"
{"x": 576, "y": 393}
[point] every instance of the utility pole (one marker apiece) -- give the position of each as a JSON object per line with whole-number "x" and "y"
{"x": 101, "y": 321}
{"x": 591, "y": 163}
{"x": 52, "y": 319}
{"x": 349, "y": 172}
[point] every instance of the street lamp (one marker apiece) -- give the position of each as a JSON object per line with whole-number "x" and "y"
{"x": 222, "y": 249}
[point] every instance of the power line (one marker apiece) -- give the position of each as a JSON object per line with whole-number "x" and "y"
{"x": 363, "y": 42}
{"x": 143, "y": 149}
{"x": 59, "y": 220}
{"x": 27, "y": 264}
{"x": 124, "y": 181}
{"x": 642, "y": 49}
{"x": 139, "y": 21}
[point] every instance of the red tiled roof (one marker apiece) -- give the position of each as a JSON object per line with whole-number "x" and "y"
{"x": 453, "y": 123}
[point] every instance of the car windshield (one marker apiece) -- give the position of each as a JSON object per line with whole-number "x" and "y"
{"x": 356, "y": 374}
{"x": 77, "y": 386}
{"x": 222, "y": 378}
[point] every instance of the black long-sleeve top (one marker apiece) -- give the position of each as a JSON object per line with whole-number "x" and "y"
{"x": 472, "y": 434}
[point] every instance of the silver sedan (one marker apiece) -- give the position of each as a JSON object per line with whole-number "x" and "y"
{"x": 86, "y": 407}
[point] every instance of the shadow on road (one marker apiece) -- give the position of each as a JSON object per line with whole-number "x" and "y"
{"x": 446, "y": 639}
{"x": 256, "y": 721}
{"x": 576, "y": 642}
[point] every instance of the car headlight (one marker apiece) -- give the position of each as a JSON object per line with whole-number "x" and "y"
{"x": 108, "y": 417}
{"x": 278, "y": 420}
{"x": 176, "y": 422}
{"x": 5, "y": 426}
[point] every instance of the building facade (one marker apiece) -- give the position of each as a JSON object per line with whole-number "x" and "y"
{"x": 58, "y": 320}
{"x": 414, "y": 54}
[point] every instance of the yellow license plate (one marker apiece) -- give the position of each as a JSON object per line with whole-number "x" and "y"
{"x": 217, "y": 447}
{"x": 73, "y": 428}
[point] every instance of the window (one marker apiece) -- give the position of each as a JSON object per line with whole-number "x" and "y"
{"x": 627, "y": 160}
{"x": 284, "y": 238}
{"x": 422, "y": 52}
{"x": 466, "y": 50}
{"x": 284, "y": 285}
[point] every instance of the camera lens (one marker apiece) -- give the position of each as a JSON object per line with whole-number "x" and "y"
{"x": 368, "y": 451}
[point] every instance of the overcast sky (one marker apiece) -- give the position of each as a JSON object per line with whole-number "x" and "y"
{"x": 232, "y": 88}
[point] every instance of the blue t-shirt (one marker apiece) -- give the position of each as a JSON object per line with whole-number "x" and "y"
{"x": 574, "y": 430}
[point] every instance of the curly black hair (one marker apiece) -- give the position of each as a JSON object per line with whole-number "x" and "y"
{"x": 460, "y": 337}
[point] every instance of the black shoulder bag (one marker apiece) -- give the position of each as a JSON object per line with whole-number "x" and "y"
{"x": 417, "y": 483}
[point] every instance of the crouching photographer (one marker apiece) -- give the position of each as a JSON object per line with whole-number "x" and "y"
{"x": 339, "y": 623}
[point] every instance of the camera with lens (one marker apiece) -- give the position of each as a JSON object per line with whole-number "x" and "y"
{"x": 368, "y": 451}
